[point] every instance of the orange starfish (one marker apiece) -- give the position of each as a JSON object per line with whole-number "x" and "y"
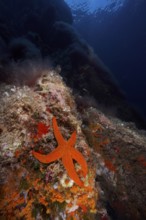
{"x": 67, "y": 152}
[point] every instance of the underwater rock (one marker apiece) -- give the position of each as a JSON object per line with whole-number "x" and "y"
{"x": 24, "y": 72}
{"x": 56, "y": 10}
{"x": 115, "y": 152}
{"x": 33, "y": 15}
{"x": 86, "y": 74}
{"x": 63, "y": 35}
{"x": 82, "y": 70}
{"x": 22, "y": 48}
{"x": 3, "y": 50}
{"x": 26, "y": 125}
{"x": 121, "y": 151}
{"x": 5, "y": 32}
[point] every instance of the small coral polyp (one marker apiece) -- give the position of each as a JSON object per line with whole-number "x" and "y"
{"x": 66, "y": 182}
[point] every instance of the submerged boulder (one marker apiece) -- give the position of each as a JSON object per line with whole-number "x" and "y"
{"x": 38, "y": 189}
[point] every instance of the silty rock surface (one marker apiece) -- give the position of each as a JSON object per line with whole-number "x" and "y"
{"x": 30, "y": 189}
{"x": 121, "y": 165}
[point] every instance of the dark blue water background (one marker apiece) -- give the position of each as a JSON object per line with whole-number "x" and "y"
{"x": 117, "y": 32}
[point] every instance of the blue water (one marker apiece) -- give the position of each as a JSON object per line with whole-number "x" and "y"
{"x": 117, "y": 32}
{"x": 92, "y": 6}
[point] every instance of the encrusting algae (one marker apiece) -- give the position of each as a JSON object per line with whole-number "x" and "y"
{"x": 44, "y": 189}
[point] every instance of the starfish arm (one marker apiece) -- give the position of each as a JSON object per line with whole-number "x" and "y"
{"x": 76, "y": 155}
{"x": 69, "y": 166}
{"x": 72, "y": 140}
{"x": 57, "y": 132}
{"x": 54, "y": 155}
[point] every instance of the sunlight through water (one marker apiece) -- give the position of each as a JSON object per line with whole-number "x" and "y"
{"x": 92, "y": 6}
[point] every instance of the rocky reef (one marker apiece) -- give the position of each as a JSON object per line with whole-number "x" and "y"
{"x": 47, "y": 70}
{"x": 30, "y": 189}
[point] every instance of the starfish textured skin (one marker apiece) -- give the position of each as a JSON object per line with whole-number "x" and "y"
{"x": 66, "y": 151}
